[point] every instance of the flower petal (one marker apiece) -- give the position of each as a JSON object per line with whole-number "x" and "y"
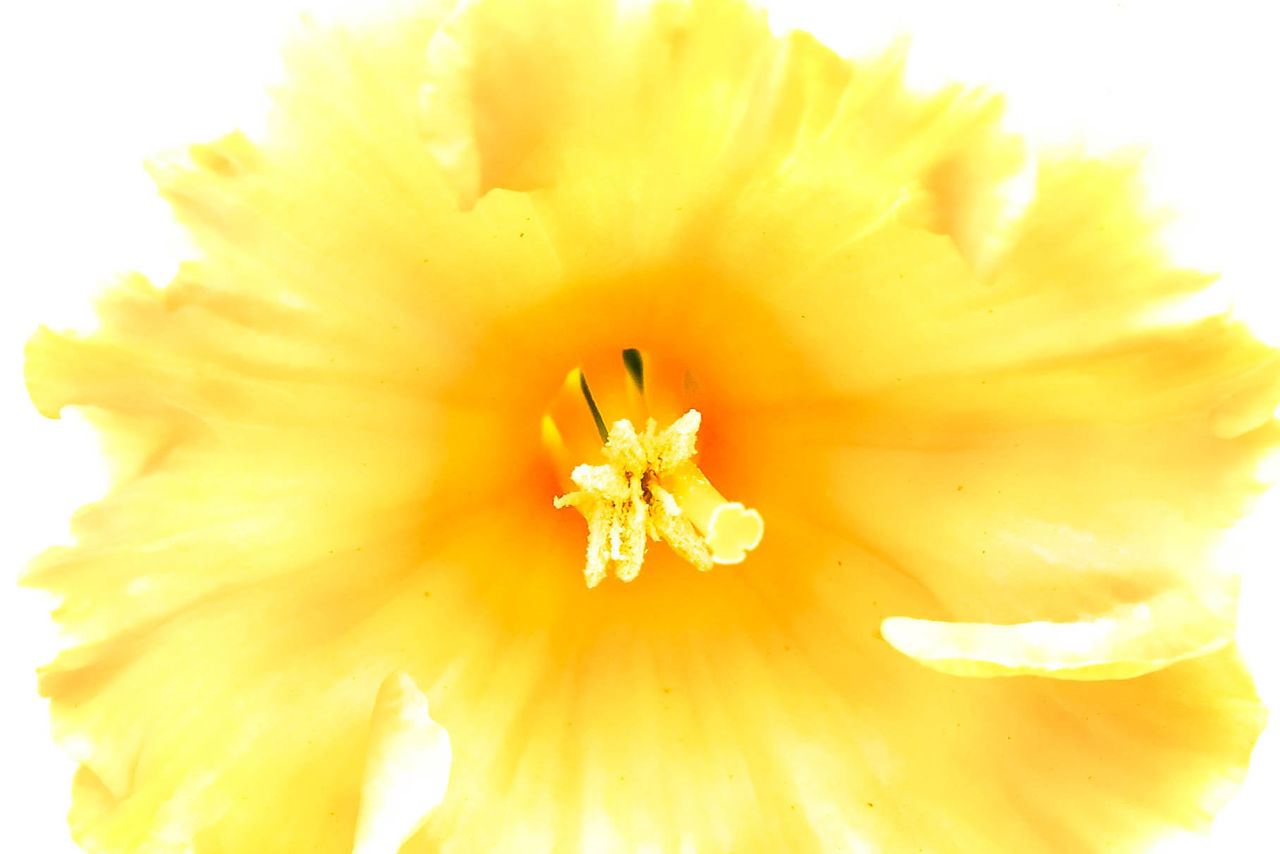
{"x": 341, "y": 211}
{"x": 697, "y": 710}
{"x": 1048, "y": 524}
{"x": 1127, "y": 641}
{"x": 240, "y": 456}
{"x": 591, "y": 76}
{"x": 1051, "y": 487}
{"x": 198, "y": 731}
{"x": 407, "y": 769}
{"x": 880, "y": 303}
{"x": 685, "y": 710}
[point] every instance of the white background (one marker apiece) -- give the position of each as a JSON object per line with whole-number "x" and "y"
{"x": 89, "y": 88}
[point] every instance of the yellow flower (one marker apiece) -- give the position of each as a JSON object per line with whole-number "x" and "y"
{"x": 896, "y": 508}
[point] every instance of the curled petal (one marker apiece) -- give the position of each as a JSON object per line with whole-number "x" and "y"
{"x": 407, "y": 769}
{"x": 1128, "y": 641}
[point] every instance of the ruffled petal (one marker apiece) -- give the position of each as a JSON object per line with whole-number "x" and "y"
{"x": 240, "y": 456}
{"x": 1036, "y": 444}
{"x": 1006, "y": 522}
{"x": 754, "y": 708}
{"x": 182, "y": 731}
{"x": 329, "y": 470}
{"x": 342, "y": 214}
{"x": 599, "y": 85}
{"x": 879, "y": 304}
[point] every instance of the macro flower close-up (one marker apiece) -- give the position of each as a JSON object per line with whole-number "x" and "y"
{"x": 608, "y": 427}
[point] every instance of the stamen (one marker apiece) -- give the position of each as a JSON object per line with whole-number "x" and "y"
{"x": 591, "y": 403}
{"x": 650, "y": 488}
{"x": 634, "y": 363}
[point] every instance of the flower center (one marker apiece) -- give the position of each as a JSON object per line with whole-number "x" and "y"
{"x": 647, "y": 487}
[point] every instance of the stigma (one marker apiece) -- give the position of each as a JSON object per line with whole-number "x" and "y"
{"x": 649, "y": 488}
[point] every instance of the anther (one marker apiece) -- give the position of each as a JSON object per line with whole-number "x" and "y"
{"x": 650, "y": 489}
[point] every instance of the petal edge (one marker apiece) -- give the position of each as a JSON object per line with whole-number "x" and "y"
{"x": 1128, "y": 641}
{"x": 407, "y": 770}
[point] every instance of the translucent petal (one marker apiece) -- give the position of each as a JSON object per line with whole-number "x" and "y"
{"x": 1127, "y": 641}
{"x": 1006, "y": 522}
{"x": 240, "y": 454}
{"x": 1032, "y": 446}
{"x": 699, "y": 709}
{"x": 341, "y": 209}
{"x": 204, "y": 729}
{"x": 880, "y": 304}
{"x": 329, "y": 466}
{"x": 407, "y": 769}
